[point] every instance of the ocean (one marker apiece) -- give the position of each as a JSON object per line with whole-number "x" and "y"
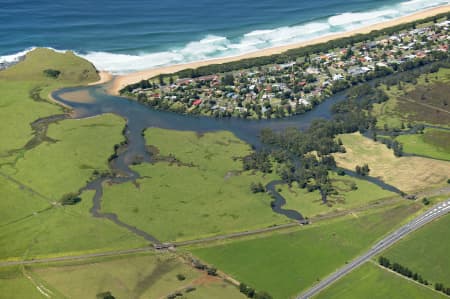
{"x": 126, "y": 36}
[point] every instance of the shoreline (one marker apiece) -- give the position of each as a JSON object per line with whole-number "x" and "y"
{"x": 120, "y": 81}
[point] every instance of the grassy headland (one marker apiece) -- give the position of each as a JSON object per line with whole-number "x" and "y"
{"x": 24, "y": 90}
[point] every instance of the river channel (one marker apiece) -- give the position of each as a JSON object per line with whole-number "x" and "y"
{"x": 94, "y": 100}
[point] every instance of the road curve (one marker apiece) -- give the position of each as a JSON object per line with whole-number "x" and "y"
{"x": 430, "y": 215}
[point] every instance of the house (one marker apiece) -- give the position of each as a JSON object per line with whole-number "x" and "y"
{"x": 338, "y": 77}
{"x": 197, "y": 102}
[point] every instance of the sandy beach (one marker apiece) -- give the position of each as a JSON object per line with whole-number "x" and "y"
{"x": 123, "y": 80}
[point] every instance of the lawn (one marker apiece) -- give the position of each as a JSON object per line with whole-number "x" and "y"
{"x": 82, "y": 146}
{"x": 194, "y": 190}
{"x": 433, "y": 143}
{"x": 134, "y": 276}
{"x": 284, "y": 264}
{"x": 371, "y": 281}
{"x": 405, "y": 173}
{"x": 310, "y": 204}
{"x": 426, "y": 251}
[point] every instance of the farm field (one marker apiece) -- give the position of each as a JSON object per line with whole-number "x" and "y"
{"x": 17, "y": 203}
{"x": 379, "y": 283}
{"x": 310, "y": 203}
{"x": 433, "y": 143}
{"x": 426, "y": 251}
{"x": 16, "y": 285}
{"x": 405, "y": 173}
{"x": 63, "y": 230}
{"x": 79, "y": 147}
{"x": 195, "y": 190}
{"x": 287, "y": 263}
{"x": 150, "y": 275}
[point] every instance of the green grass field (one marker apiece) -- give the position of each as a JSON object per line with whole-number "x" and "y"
{"x": 68, "y": 230}
{"x": 147, "y": 275}
{"x": 406, "y": 173}
{"x": 17, "y": 203}
{"x": 371, "y": 281}
{"x": 18, "y": 109}
{"x": 33, "y": 179}
{"x": 285, "y": 264}
{"x": 204, "y": 193}
{"x": 433, "y": 143}
{"x": 15, "y": 285}
{"x": 426, "y": 251}
{"x": 81, "y": 147}
{"x": 310, "y": 203}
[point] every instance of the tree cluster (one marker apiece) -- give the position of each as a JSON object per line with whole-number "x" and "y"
{"x": 52, "y": 73}
{"x": 258, "y": 160}
{"x": 257, "y": 188}
{"x": 440, "y": 287}
{"x": 70, "y": 199}
{"x": 251, "y": 293}
{"x": 362, "y": 170}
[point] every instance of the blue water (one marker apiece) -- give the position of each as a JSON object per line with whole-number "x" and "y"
{"x": 124, "y": 36}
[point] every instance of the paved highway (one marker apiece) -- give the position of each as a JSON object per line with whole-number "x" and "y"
{"x": 431, "y": 214}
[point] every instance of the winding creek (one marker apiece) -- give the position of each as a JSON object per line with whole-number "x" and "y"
{"x": 93, "y": 100}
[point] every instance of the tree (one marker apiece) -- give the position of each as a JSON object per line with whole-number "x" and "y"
{"x": 257, "y": 188}
{"x": 52, "y": 73}
{"x": 70, "y": 199}
{"x": 362, "y": 170}
{"x": 263, "y": 295}
{"x": 228, "y": 79}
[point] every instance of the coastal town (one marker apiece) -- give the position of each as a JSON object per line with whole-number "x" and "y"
{"x": 296, "y": 86}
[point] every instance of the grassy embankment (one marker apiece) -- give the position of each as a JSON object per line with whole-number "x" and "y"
{"x": 310, "y": 203}
{"x": 284, "y": 264}
{"x": 424, "y": 102}
{"x": 426, "y": 251}
{"x": 132, "y": 276}
{"x": 203, "y": 192}
{"x": 406, "y": 173}
{"x": 34, "y": 178}
{"x": 372, "y": 281}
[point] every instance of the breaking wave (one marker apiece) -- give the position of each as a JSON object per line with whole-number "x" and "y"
{"x": 213, "y": 46}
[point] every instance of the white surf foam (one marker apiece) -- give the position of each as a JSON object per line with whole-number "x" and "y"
{"x": 213, "y": 46}
{"x": 15, "y": 57}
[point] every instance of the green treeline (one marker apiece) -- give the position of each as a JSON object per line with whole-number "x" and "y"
{"x": 405, "y": 271}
